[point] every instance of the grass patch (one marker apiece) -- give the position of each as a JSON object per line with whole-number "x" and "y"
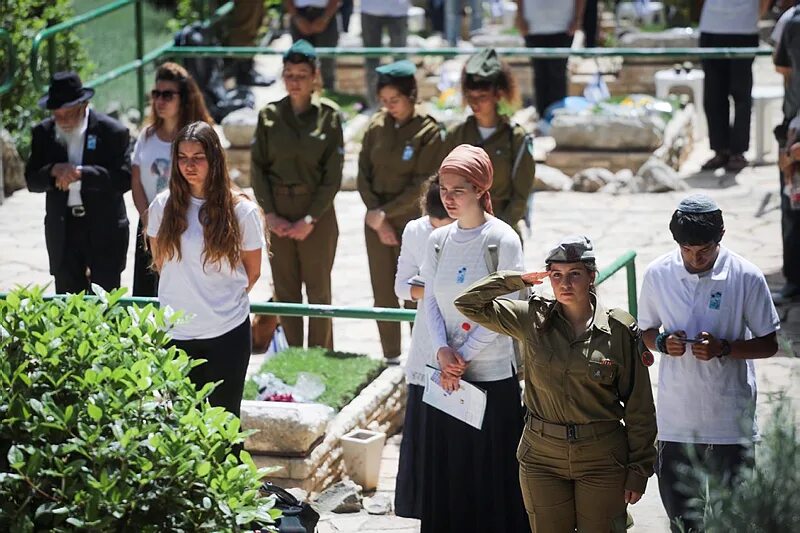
{"x": 110, "y": 41}
{"x": 344, "y": 374}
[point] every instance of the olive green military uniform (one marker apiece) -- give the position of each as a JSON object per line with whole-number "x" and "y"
{"x": 511, "y": 150}
{"x": 296, "y": 171}
{"x": 392, "y": 167}
{"x": 575, "y": 458}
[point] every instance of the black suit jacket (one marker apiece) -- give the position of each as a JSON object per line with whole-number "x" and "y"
{"x": 106, "y": 176}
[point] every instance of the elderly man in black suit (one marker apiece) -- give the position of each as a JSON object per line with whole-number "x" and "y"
{"x": 81, "y": 159}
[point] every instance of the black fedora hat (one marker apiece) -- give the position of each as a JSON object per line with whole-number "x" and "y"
{"x": 66, "y": 90}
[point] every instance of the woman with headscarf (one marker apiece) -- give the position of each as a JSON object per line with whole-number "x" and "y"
{"x": 471, "y": 475}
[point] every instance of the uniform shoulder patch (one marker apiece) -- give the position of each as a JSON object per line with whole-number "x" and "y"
{"x": 327, "y": 102}
{"x": 626, "y": 319}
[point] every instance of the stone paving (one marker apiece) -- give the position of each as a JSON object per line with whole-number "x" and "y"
{"x": 616, "y": 223}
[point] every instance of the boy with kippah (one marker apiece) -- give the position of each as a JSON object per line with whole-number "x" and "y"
{"x": 709, "y": 313}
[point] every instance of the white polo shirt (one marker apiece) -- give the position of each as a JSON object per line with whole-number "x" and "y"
{"x": 707, "y": 402}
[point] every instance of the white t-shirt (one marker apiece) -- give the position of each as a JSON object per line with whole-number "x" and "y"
{"x": 460, "y": 263}
{"x": 777, "y": 31}
{"x": 385, "y": 8}
{"x": 215, "y": 297}
{"x": 409, "y": 264}
{"x": 548, "y": 16}
{"x": 730, "y": 16}
{"x": 707, "y": 402}
{"x": 153, "y": 157}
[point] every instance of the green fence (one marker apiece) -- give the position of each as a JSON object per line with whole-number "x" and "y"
{"x": 626, "y": 260}
{"x": 11, "y": 62}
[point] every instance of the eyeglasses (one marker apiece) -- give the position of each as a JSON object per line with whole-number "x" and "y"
{"x": 155, "y": 94}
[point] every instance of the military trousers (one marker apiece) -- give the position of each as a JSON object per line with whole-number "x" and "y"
{"x": 574, "y": 483}
{"x": 382, "y": 270}
{"x": 304, "y": 263}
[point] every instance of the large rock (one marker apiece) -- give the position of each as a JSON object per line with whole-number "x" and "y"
{"x": 13, "y": 166}
{"x": 240, "y": 126}
{"x": 380, "y": 504}
{"x": 284, "y": 428}
{"x": 550, "y": 179}
{"x": 591, "y": 179}
{"x": 342, "y": 497}
{"x": 657, "y": 176}
{"x": 603, "y": 132}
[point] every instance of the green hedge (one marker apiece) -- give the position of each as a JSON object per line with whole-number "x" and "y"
{"x": 101, "y": 429}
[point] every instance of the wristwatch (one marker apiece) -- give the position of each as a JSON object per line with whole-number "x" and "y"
{"x": 726, "y": 348}
{"x": 308, "y": 219}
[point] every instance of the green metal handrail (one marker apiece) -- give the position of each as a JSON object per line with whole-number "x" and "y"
{"x": 682, "y": 53}
{"x": 626, "y": 260}
{"x": 11, "y": 62}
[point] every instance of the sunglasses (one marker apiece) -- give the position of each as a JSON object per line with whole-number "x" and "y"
{"x": 155, "y": 94}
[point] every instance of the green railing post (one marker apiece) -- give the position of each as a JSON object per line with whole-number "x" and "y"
{"x": 139, "y": 56}
{"x": 11, "y": 62}
{"x": 633, "y": 306}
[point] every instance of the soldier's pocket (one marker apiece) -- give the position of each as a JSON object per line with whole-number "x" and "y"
{"x": 522, "y": 449}
{"x": 602, "y": 373}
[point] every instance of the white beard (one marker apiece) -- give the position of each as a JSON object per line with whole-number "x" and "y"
{"x": 65, "y": 138}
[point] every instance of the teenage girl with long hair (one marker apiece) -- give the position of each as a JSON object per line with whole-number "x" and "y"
{"x": 206, "y": 240}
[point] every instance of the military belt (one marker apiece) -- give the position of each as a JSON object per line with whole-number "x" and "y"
{"x": 300, "y": 188}
{"x": 570, "y": 432}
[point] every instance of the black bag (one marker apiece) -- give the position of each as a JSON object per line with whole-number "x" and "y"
{"x": 297, "y": 516}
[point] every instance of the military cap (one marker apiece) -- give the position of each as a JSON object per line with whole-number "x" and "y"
{"x": 398, "y": 69}
{"x": 698, "y": 203}
{"x": 571, "y": 250}
{"x": 485, "y": 64}
{"x": 301, "y": 47}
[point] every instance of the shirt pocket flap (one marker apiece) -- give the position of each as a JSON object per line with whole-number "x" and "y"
{"x": 602, "y": 372}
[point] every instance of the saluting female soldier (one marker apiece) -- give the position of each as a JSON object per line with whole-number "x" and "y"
{"x": 296, "y": 170}
{"x": 400, "y": 151}
{"x": 585, "y": 371}
{"x": 485, "y": 83}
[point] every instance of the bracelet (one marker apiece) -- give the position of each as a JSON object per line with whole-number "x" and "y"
{"x": 661, "y": 342}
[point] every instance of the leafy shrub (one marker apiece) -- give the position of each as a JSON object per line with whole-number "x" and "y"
{"x": 101, "y": 429}
{"x": 765, "y": 499}
{"x": 23, "y": 19}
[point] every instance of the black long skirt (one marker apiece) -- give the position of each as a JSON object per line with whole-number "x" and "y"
{"x": 472, "y": 476}
{"x": 410, "y": 470}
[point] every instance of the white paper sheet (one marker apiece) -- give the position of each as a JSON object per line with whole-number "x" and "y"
{"x": 467, "y": 404}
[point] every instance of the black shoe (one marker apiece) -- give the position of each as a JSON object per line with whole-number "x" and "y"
{"x": 736, "y": 162}
{"x": 788, "y": 293}
{"x": 718, "y": 161}
{"x": 252, "y": 78}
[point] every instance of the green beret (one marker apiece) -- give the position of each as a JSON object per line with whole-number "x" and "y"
{"x": 398, "y": 69}
{"x": 571, "y": 250}
{"x": 484, "y": 64}
{"x": 301, "y": 47}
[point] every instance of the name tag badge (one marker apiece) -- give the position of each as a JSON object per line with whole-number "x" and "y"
{"x": 91, "y": 142}
{"x": 408, "y": 153}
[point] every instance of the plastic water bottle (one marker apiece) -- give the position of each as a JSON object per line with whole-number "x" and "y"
{"x": 460, "y": 336}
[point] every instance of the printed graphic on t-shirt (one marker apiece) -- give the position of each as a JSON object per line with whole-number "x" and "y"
{"x": 160, "y": 169}
{"x": 715, "y": 301}
{"x": 461, "y": 275}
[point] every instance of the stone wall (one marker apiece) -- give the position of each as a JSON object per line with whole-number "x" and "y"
{"x": 380, "y": 406}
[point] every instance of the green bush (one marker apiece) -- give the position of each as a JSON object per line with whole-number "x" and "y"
{"x": 101, "y": 429}
{"x": 765, "y": 499}
{"x": 23, "y": 19}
